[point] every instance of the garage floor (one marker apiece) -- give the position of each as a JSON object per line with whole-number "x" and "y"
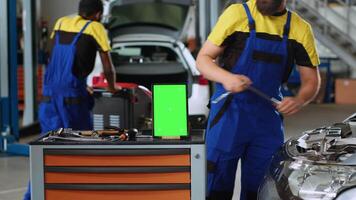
{"x": 14, "y": 170}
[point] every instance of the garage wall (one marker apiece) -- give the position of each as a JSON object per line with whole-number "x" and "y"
{"x": 51, "y": 10}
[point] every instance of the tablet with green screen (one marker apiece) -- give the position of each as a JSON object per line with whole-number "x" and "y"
{"x": 170, "y": 110}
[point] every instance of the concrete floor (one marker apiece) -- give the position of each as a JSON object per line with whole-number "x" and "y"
{"x": 14, "y": 170}
{"x": 14, "y": 174}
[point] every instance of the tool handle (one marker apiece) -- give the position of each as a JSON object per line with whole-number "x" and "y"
{"x": 86, "y": 133}
{"x": 100, "y": 132}
{"x": 109, "y": 132}
{"x": 263, "y": 95}
{"x": 259, "y": 93}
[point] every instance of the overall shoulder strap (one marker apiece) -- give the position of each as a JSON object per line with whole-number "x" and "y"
{"x": 57, "y": 34}
{"x": 287, "y": 26}
{"x": 251, "y": 21}
{"x": 76, "y": 38}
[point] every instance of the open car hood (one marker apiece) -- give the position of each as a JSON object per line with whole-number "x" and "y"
{"x": 167, "y": 17}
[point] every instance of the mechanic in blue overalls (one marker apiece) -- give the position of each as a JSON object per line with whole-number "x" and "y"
{"x": 66, "y": 101}
{"x": 258, "y": 44}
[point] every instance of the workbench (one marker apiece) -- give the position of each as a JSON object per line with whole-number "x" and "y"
{"x": 145, "y": 169}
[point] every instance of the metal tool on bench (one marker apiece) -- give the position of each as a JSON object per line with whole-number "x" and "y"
{"x": 252, "y": 89}
{"x": 113, "y": 134}
{"x": 69, "y": 135}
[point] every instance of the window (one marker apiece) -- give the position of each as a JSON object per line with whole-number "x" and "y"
{"x": 144, "y": 55}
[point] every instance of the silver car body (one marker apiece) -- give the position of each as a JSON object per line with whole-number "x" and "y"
{"x": 321, "y": 164}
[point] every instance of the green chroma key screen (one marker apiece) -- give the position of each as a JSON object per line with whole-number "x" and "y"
{"x": 170, "y": 110}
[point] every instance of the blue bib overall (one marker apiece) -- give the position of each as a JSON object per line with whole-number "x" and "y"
{"x": 243, "y": 125}
{"x": 66, "y": 102}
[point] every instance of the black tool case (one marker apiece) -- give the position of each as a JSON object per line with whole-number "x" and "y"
{"x": 126, "y": 109}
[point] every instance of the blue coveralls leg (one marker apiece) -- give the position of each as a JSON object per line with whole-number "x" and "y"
{"x": 67, "y": 102}
{"x": 243, "y": 125}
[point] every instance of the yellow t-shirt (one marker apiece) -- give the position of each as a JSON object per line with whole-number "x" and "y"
{"x": 93, "y": 39}
{"x": 232, "y": 30}
{"x": 75, "y": 23}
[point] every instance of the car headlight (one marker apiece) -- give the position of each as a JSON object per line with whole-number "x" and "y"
{"x": 310, "y": 181}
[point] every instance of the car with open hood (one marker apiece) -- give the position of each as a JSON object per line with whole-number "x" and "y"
{"x": 147, "y": 48}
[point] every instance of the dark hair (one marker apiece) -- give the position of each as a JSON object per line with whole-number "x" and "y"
{"x": 88, "y": 8}
{"x": 268, "y": 7}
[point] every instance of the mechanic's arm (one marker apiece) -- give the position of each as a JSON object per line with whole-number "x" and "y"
{"x": 310, "y": 79}
{"x": 109, "y": 71}
{"x": 210, "y": 70}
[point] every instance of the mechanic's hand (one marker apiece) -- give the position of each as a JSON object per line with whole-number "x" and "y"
{"x": 114, "y": 90}
{"x": 290, "y": 105}
{"x": 236, "y": 83}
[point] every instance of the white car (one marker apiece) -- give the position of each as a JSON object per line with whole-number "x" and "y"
{"x": 146, "y": 48}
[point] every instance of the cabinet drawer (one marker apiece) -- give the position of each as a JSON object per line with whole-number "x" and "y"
{"x": 117, "y": 191}
{"x": 115, "y": 195}
{"x": 117, "y": 157}
{"x": 175, "y": 177}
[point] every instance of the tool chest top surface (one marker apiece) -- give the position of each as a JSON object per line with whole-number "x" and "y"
{"x": 196, "y": 137}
